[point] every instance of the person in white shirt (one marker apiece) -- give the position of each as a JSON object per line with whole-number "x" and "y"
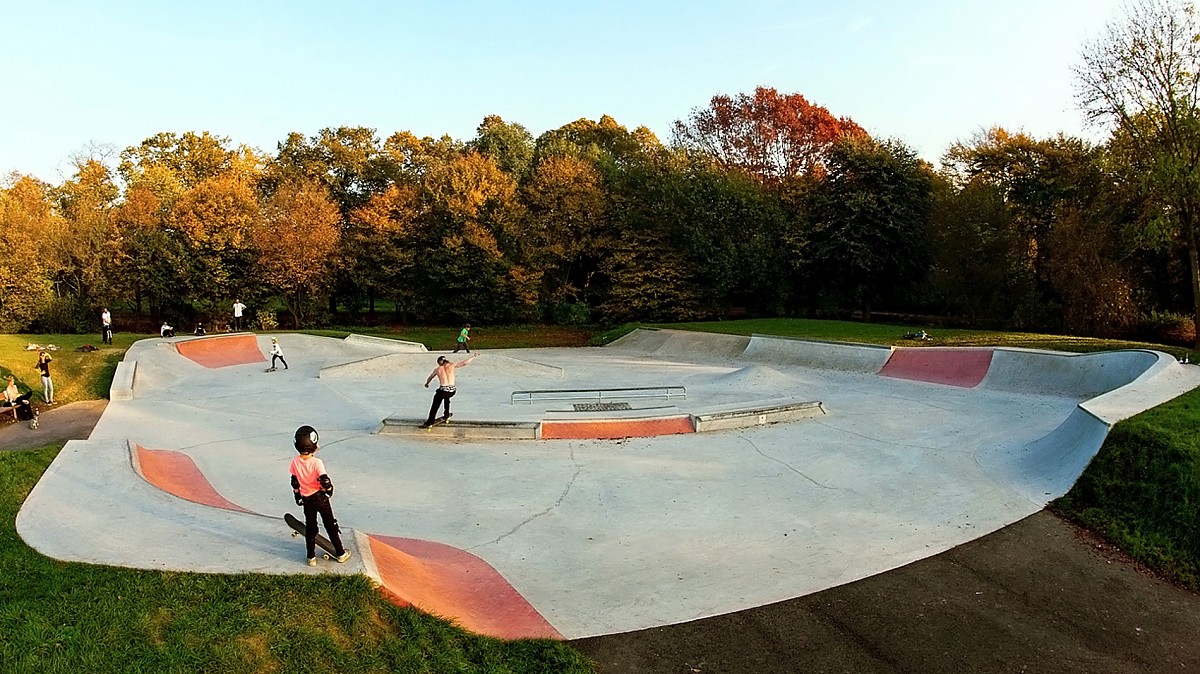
{"x": 276, "y": 352}
{"x": 238, "y": 308}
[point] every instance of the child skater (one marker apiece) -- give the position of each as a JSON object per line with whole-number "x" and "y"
{"x": 312, "y": 488}
{"x": 276, "y": 352}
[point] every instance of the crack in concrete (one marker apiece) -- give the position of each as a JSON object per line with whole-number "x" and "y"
{"x": 786, "y": 465}
{"x": 557, "y": 502}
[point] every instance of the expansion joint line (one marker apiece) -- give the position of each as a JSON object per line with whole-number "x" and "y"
{"x": 557, "y": 502}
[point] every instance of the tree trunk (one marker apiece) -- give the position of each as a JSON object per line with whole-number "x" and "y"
{"x": 1194, "y": 272}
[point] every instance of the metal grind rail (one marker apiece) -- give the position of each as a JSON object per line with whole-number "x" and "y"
{"x": 599, "y": 394}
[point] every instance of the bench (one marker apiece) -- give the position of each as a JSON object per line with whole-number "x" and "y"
{"x": 599, "y": 394}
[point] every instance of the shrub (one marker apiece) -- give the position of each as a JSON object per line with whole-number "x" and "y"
{"x": 1166, "y": 327}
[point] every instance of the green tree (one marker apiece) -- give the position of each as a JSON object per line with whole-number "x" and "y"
{"x": 1142, "y": 77}
{"x": 509, "y": 144}
{"x": 869, "y": 220}
{"x": 80, "y": 251}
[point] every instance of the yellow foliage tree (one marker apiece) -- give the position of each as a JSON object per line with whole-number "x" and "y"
{"x": 294, "y": 239}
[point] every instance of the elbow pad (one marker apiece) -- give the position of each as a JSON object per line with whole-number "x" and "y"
{"x": 326, "y": 485}
{"x": 295, "y": 484}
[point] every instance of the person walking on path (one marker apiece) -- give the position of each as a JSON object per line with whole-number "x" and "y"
{"x": 446, "y": 389}
{"x": 312, "y": 490}
{"x": 106, "y": 326}
{"x": 276, "y": 352}
{"x": 238, "y": 308}
{"x": 43, "y": 365}
{"x": 464, "y": 336}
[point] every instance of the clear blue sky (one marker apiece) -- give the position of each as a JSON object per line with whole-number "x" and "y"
{"x": 928, "y": 72}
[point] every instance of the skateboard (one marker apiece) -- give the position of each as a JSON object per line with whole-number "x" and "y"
{"x": 438, "y": 422}
{"x": 269, "y": 369}
{"x": 298, "y": 530}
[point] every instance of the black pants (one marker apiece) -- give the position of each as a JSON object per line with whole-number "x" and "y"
{"x": 274, "y": 356}
{"x": 314, "y": 504}
{"x": 106, "y": 334}
{"x": 441, "y": 397}
{"x": 462, "y": 345}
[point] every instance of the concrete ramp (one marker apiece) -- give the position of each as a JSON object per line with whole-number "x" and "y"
{"x": 1072, "y": 375}
{"x": 451, "y": 583}
{"x": 753, "y": 377}
{"x": 953, "y": 366}
{"x": 701, "y": 346}
{"x": 865, "y": 358}
{"x": 642, "y": 340}
{"x": 176, "y": 474}
{"x": 222, "y": 350}
{"x": 419, "y": 365}
{"x": 385, "y": 343}
{"x": 1046, "y": 468}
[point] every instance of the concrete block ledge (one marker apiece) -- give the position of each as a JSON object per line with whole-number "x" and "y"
{"x": 757, "y": 416}
{"x": 122, "y": 384}
{"x": 471, "y": 430}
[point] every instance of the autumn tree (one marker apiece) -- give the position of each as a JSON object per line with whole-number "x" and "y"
{"x": 149, "y": 262}
{"x": 378, "y": 245}
{"x": 214, "y": 221}
{"x": 169, "y": 162}
{"x": 1142, "y": 78}
{"x": 293, "y": 240}
{"x": 466, "y": 237}
{"x": 774, "y": 137}
{"x": 564, "y": 234}
{"x": 25, "y": 289}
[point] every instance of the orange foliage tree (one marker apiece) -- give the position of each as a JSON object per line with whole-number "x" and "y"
{"x": 769, "y": 135}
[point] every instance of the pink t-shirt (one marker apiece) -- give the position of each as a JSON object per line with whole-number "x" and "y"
{"x": 308, "y": 469}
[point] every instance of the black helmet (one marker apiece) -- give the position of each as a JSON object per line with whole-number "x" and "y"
{"x": 306, "y": 439}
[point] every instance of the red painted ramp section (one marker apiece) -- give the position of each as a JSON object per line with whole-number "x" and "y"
{"x": 222, "y": 351}
{"x": 176, "y": 474}
{"x": 606, "y": 429}
{"x": 448, "y": 582}
{"x": 964, "y": 367}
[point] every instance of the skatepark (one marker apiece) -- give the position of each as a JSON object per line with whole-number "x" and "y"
{"x": 579, "y": 492}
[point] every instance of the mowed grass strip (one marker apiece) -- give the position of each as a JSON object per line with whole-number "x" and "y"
{"x": 71, "y": 617}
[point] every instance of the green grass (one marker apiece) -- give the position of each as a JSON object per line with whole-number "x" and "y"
{"x": 1142, "y": 492}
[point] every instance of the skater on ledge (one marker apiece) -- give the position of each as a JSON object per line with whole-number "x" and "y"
{"x": 312, "y": 489}
{"x": 446, "y": 390}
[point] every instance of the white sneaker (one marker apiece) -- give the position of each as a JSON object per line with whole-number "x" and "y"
{"x": 343, "y": 557}
{"x": 312, "y": 561}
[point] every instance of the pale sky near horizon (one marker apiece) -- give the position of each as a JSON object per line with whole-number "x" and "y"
{"x": 928, "y": 72}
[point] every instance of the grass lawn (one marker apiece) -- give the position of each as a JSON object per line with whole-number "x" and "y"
{"x": 1141, "y": 491}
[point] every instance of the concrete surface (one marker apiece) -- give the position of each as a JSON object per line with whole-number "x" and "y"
{"x": 596, "y": 536}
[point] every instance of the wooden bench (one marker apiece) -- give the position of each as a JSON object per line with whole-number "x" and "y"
{"x": 599, "y": 394}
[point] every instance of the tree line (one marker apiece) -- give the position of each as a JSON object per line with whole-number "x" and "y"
{"x": 761, "y": 203}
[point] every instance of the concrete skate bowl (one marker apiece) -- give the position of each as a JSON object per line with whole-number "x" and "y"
{"x": 222, "y": 350}
{"x": 436, "y": 578}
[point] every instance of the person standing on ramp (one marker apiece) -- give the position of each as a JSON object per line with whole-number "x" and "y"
{"x": 446, "y": 389}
